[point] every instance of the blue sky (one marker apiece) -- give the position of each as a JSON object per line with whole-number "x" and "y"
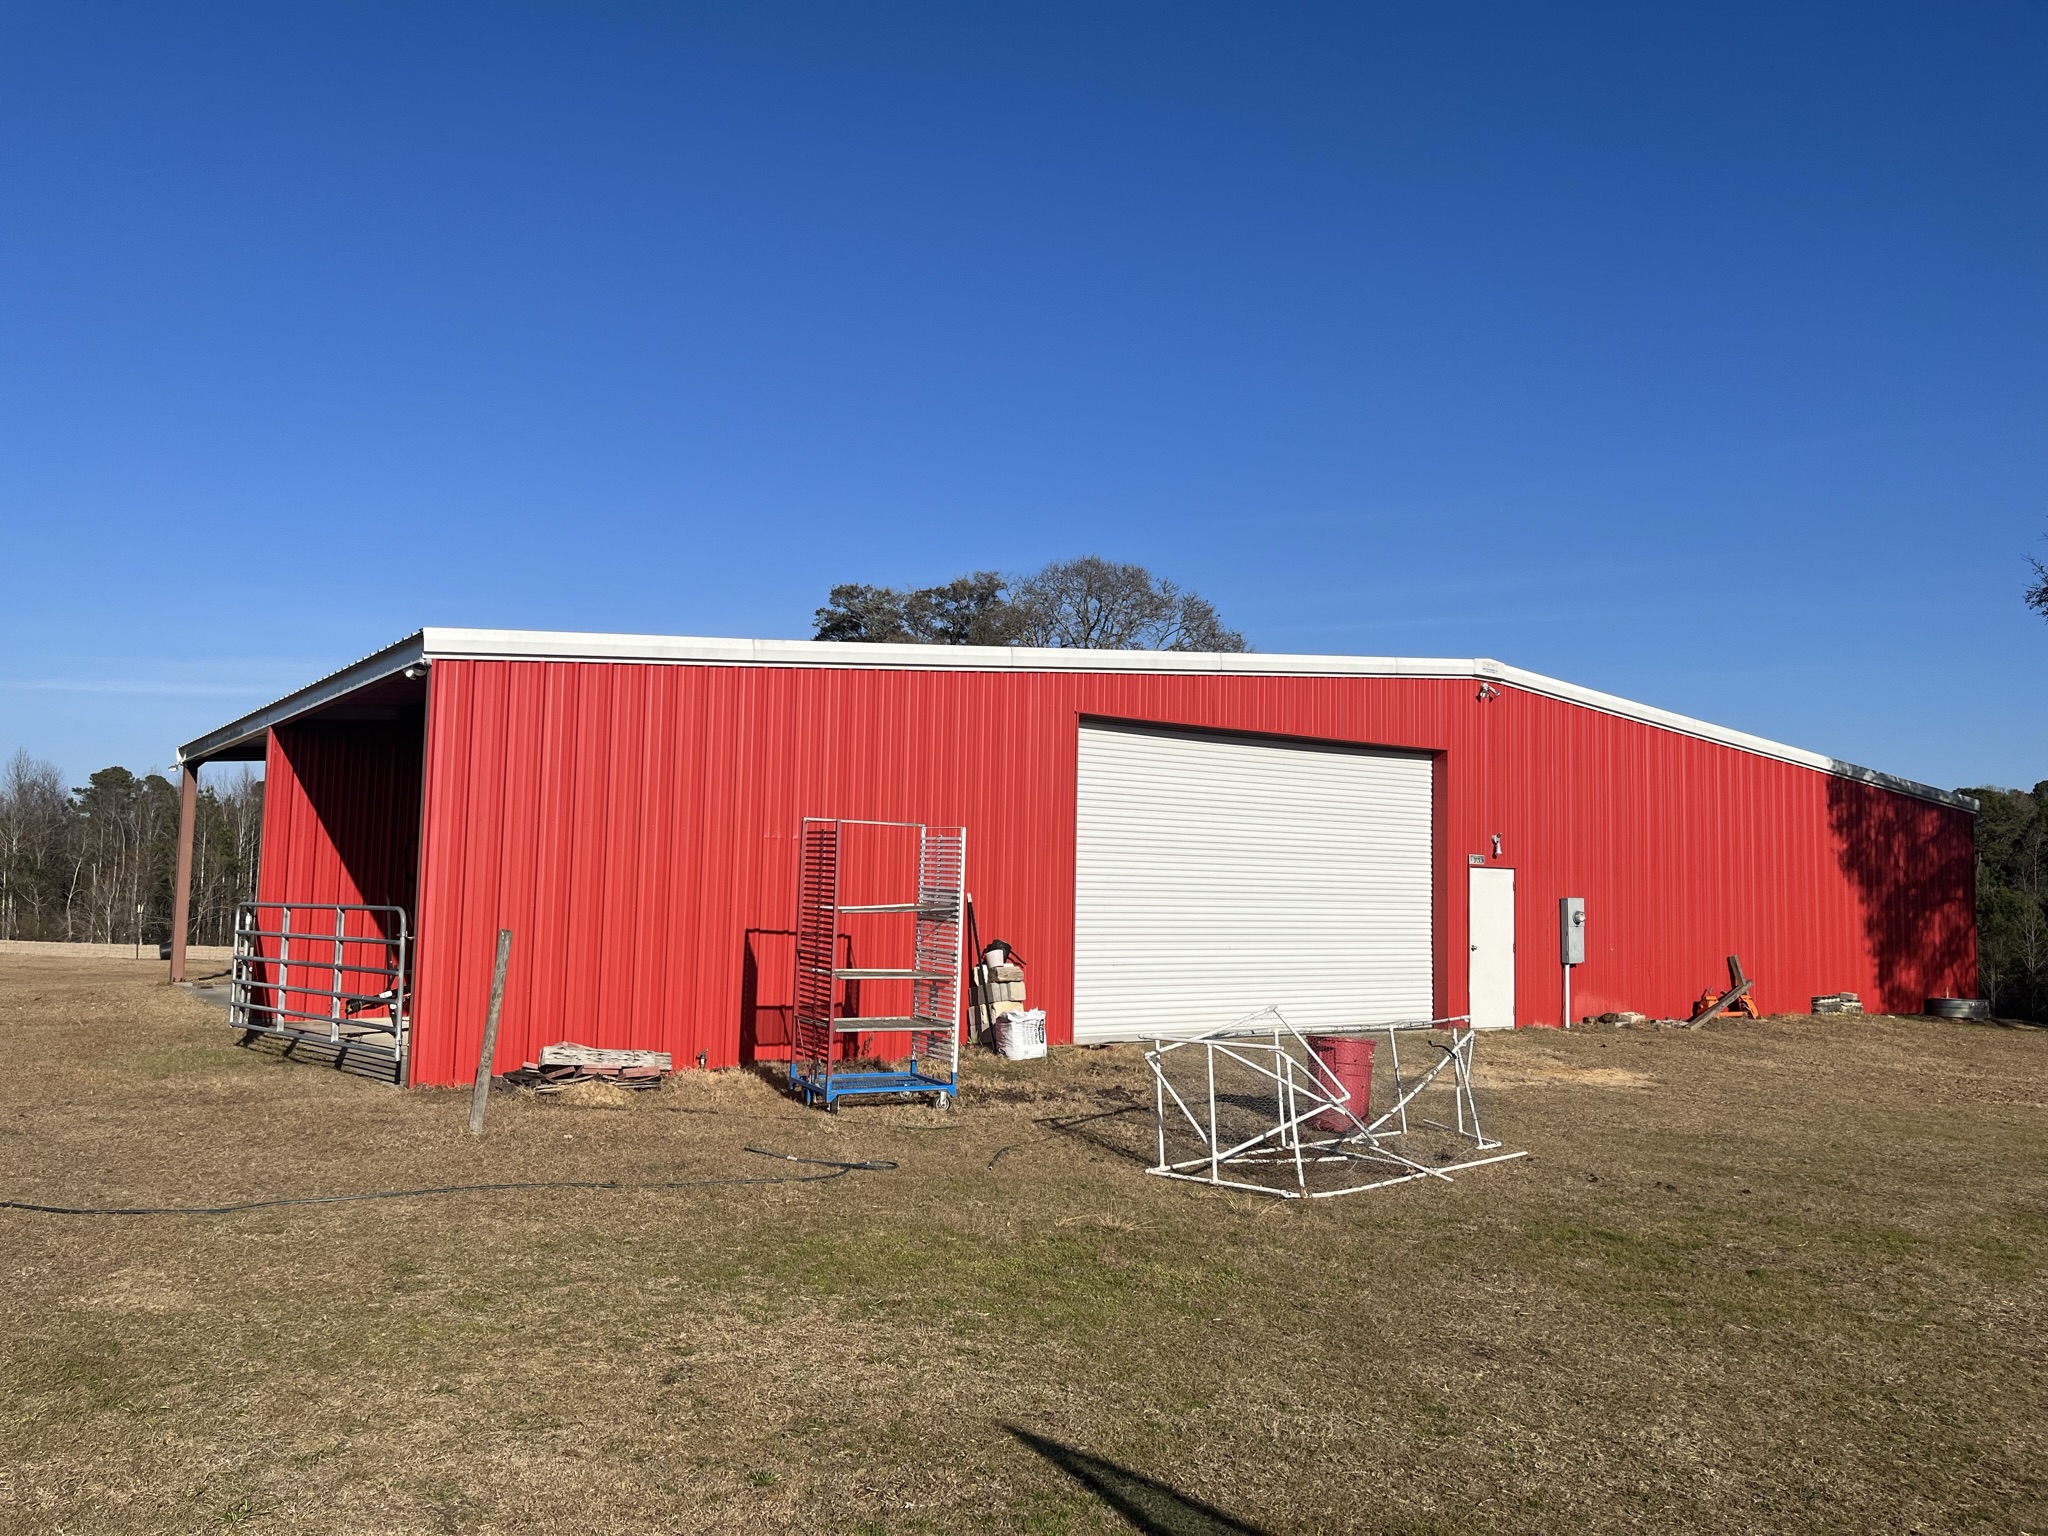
{"x": 1699, "y": 353}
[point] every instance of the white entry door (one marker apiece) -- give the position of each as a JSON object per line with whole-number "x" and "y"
{"x": 1492, "y": 971}
{"x": 1215, "y": 875}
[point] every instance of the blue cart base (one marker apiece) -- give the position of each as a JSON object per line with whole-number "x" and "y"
{"x": 821, "y": 1089}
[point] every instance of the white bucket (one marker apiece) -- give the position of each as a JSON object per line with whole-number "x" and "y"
{"x": 1020, "y": 1036}
{"x": 996, "y": 955}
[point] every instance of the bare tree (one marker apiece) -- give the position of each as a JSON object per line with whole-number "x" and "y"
{"x": 226, "y": 842}
{"x": 35, "y": 823}
{"x": 77, "y": 864}
{"x": 1105, "y": 605}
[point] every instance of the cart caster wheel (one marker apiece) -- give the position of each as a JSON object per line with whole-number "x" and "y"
{"x": 831, "y": 1106}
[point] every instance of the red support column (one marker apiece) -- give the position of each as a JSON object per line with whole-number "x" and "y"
{"x": 181, "y": 887}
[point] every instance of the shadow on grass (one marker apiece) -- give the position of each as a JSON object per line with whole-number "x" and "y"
{"x": 1152, "y": 1507}
{"x": 378, "y": 1066}
{"x": 1091, "y": 1129}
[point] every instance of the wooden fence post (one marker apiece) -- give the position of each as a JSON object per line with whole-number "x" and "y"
{"x": 481, "y": 1093}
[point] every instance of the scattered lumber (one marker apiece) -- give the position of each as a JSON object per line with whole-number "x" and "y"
{"x": 568, "y": 1053}
{"x": 566, "y": 1063}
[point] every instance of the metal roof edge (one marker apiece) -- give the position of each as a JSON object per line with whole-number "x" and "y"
{"x": 1892, "y": 781}
{"x": 544, "y": 645}
{"x": 360, "y": 674}
{"x": 1762, "y": 746}
{"x": 449, "y": 644}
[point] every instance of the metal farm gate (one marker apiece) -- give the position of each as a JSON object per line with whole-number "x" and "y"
{"x": 331, "y": 981}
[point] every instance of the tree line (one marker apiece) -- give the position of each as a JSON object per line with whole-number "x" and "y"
{"x": 2012, "y": 881}
{"x": 2012, "y": 900}
{"x": 76, "y": 863}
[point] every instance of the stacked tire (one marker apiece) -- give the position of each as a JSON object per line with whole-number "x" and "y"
{"x": 1959, "y": 1007}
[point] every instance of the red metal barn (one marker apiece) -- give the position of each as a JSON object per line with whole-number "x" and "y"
{"x": 1167, "y": 840}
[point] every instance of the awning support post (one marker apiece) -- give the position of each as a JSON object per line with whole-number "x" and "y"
{"x": 181, "y": 886}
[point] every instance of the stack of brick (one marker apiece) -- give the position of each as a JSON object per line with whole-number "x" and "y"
{"x": 998, "y": 989}
{"x": 1838, "y": 1002}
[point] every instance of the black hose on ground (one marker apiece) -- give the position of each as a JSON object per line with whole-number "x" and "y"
{"x": 839, "y": 1171}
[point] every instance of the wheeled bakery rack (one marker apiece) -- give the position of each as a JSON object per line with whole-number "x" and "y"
{"x": 823, "y": 1027}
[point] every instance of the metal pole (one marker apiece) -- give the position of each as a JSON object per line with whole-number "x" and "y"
{"x": 480, "y": 1094}
{"x": 334, "y": 1009}
{"x": 1215, "y": 1137}
{"x": 401, "y": 1021}
{"x": 181, "y": 883}
{"x": 1458, "y": 1083}
{"x": 238, "y": 993}
{"x": 1400, "y": 1090}
{"x": 973, "y": 937}
{"x": 1288, "y": 1109}
{"x": 1280, "y": 1107}
{"x": 1159, "y": 1099}
{"x": 1567, "y": 994}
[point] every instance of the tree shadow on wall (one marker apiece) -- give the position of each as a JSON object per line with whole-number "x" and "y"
{"x": 1913, "y": 865}
{"x": 1151, "y": 1506}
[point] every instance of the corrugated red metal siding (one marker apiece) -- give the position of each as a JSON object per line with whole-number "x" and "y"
{"x": 341, "y": 814}
{"x": 341, "y": 823}
{"x": 634, "y": 825}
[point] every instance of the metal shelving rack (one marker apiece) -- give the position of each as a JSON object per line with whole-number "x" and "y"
{"x": 933, "y": 973}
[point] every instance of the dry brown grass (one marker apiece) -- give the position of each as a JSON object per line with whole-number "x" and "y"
{"x": 1775, "y": 1276}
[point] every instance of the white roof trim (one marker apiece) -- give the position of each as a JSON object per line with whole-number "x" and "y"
{"x": 547, "y": 645}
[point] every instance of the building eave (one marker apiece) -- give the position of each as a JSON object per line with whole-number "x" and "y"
{"x": 444, "y": 644}
{"x": 252, "y": 727}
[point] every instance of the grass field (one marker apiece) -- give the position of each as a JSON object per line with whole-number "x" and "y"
{"x": 1776, "y": 1276}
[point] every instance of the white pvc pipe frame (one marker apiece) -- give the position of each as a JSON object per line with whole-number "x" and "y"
{"x": 1302, "y": 1093}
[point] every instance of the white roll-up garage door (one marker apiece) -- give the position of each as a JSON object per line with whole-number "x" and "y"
{"x": 1215, "y": 875}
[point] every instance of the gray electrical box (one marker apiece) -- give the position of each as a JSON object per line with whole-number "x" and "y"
{"x": 1571, "y": 929}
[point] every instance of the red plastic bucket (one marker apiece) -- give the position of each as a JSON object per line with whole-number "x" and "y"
{"x": 1348, "y": 1059}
